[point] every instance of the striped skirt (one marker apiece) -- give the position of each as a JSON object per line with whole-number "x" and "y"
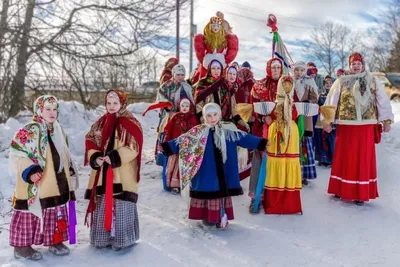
{"x": 210, "y": 209}
{"x": 125, "y": 229}
{"x": 172, "y": 172}
{"x": 308, "y": 170}
{"x": 25, "y": 228}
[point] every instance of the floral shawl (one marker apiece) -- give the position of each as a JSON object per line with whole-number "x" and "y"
{"x": 192, "y": 146}
{"x": 172, "y": 92}
{"x": 31, "y": 142}
{"x": 208, "y": 86}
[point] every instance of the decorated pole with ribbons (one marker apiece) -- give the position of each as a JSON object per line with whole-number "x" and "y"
{"x": 279, "y": 49}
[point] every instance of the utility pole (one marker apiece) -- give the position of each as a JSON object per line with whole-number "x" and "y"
{"x": 177, "y": 28}
{"x": 191, "y": 37}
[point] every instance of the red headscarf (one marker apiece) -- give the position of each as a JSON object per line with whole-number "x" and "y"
{"x": 266, "y": 89}
{"x": 311, "y": 65}
{"x": 269, "y": 66}
{"x": 126, "y": 124}
{"x": 166, "y": 74}
{"x": 327, "y": 77}
{"x": 233, "y": 86}
{"x": 231, "y": 67}
{"x": 311, "y": 71}
{"x": 356, "y": 57}
{"x": 339, "y": 72}
{"x": 180, "y": 122}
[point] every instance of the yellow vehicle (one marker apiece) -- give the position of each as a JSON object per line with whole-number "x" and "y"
{"x": 391, "y": 82}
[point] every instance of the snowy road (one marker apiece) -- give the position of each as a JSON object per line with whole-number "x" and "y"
{"x": 330, "y": 233}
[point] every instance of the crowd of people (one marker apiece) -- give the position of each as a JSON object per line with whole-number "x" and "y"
{"x": 216, "y": 128}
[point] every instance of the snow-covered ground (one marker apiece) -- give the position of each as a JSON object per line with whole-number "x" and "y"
{"x": 330, "y": 233}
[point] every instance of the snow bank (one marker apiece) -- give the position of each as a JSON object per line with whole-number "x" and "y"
{"x": 76, "y": 122}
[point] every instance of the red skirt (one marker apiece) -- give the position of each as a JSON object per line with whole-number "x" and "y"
{"x": 282, "y": 202}
{"x": 354, "y": 175}
{"x": 210, "y": 209}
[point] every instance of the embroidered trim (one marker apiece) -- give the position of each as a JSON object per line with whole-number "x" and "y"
{"x": 354, "y": 182}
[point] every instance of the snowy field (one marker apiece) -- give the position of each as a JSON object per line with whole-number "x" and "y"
{"x": 330, "y": 233}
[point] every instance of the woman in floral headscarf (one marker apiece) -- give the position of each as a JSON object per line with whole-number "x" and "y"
{"x": 231, "y": 76}
{"x": 214, "y": 89}
{"x": 166, "y": 74}
{"x": 168, "y": 96}
{"x": 113, "y": 150}
{"x": 232, "y": 80}
{"x": 264, "y": 90}
{"x": 46, "y": 181}
{"x": 246, "y": 82}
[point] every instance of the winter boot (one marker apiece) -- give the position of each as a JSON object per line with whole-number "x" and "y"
{"x": 359, "y": 202}
{"x": 251, "y": 207}
{"x": 59, "y": 249}
{"x": 27, "y": 253}
{"x": 175, "y": 191}
{"x": 207, "y": 223}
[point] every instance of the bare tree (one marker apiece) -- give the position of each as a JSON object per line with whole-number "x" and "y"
{"x": 393, "y": 64}
{"x": 37, "y": 36}
{"x": 343, "y": 39}
{"x": 323, "y": 47}
{"x": 391, "y": 33}
{"x": 332, "y": 43}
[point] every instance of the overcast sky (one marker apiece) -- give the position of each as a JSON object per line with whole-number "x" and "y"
{"x": 296, "y": 19}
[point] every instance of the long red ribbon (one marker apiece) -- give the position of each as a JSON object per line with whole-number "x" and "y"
{"x": 109, "y": 199}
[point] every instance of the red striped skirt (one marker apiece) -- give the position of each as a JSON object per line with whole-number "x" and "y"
{"x": 354, "y": 174}
{"x": 25, "y": 228}
{"x": 210, "y": 209}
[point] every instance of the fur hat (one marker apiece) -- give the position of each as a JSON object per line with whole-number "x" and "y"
{"x": 214, "y": 56}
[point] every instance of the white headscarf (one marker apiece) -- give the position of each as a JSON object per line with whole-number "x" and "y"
{"x": 178, "y": 69}
{"x": 299, "y": 64}
{"x": 184, "y": 101}
{"x": 304, "y": 82}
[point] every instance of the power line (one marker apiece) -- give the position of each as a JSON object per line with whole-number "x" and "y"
{"x": 256, "y": 19}
{"x": 260, "y": 12}
{"x": 239, "y": 6}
